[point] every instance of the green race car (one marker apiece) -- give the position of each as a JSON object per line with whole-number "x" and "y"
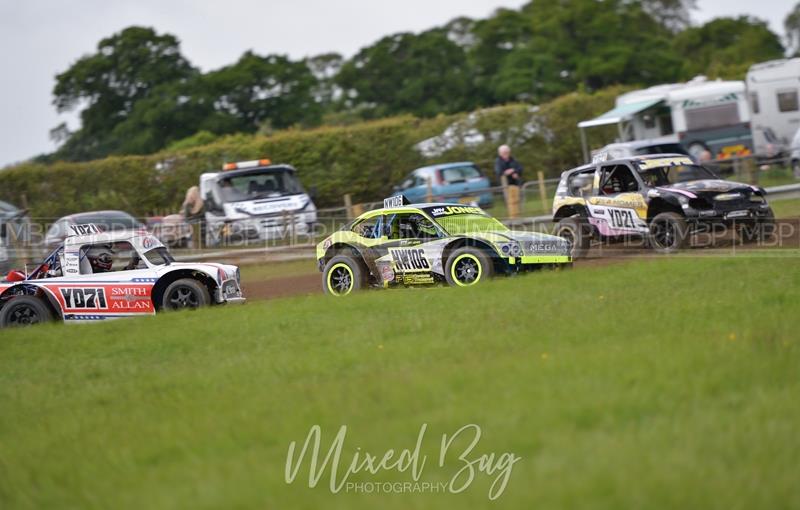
{"x": 430, "y": 243}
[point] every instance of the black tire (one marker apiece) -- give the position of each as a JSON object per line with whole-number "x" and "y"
{"x": 762, "y": 230}
{"x": 185, "y": 294}
{"x": 468, "y": 266}
{"x": 25, "y": 311}
{"x": 343, "y": 274}
{"x": 578, "y": 233}
{"x": 669, "y": 233}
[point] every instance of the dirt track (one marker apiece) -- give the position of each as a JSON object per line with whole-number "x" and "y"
{"x": 600, "y": 255}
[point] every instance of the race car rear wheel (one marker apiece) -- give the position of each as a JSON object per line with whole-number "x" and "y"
{"x": 467, "y": 267}
{"x": 25, "y": 311}
{"x": 185, "y": 294}
{"x": 342, "y": 275}
{"x": 668, "y": 233}
{"x": 577, "y": 231}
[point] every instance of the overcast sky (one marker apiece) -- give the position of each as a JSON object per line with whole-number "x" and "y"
{"x": 39, "y": 38}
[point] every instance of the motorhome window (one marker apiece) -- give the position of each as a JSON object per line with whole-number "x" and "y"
{"x": 253, "y": 186}
{"x": 618, "y": 179}
{"x": 712, "y": 116}
{"x": 754, "y": 102}
{"x": 666, "y": 123}
{"x": 787, "y": 101}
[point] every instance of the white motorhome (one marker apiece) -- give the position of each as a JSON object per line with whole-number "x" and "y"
{"x": 773, "y": 88}
{"x": 703, "y": 114}
{"x": 255, "y": 200}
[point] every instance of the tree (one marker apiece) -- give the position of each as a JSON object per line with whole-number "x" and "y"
{"x": 727, "y": 47}
{"x": 324, "y": 68}
{"x": 125, "y": 69}
{"x": 425, "y": 74}
{"x": 270, "y": 89}
{"x": 792, "y": 26}
{"x": 675, "y": 15}
{"x": 550, "y": 48}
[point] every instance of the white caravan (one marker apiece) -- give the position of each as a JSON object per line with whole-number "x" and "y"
{"x": 773, "y": 88}
{"x": 703, "y": 114}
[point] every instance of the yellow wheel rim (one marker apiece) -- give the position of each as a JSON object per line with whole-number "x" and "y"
{"x": 340, "y": 279}
{"x": 466, "y": 270}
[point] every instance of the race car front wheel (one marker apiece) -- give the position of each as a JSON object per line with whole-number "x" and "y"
{"x": 762, "y": 230}
{"x": 185, "y": 294}
{"x": 467, "y": 267}
{"x": 24, "y": 311}
{"x": 668, "y": 233}
{"x": 342, "y": 275}
{"x": 577, "y": 231}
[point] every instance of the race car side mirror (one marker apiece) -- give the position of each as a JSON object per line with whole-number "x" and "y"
{"x": 15, "y": 276}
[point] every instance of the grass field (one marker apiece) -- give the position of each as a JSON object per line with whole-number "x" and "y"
{"x": 665, "y": 383}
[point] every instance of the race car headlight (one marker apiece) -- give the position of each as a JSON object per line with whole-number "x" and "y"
{"x": 510, "y": 249}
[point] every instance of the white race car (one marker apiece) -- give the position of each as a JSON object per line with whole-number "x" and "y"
{"x": 98, "y": 275}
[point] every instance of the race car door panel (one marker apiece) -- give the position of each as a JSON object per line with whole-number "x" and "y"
{"x": 618, "y": 206}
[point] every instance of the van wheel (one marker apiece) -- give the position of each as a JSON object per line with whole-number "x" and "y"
{"x": 668, "y": 233}
{"x": 25, "y": 311}
{"x": 577, "y": 231}
{"x": 185, "y": 294}
{"x": 343, "y": 274}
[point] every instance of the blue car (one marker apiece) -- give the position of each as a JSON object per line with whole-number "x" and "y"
{"x": 450, "y": 182}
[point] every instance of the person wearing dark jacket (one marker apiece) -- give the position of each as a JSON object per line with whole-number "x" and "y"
{"x": 506, "y": 165}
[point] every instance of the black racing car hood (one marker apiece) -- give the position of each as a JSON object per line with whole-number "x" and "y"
{"x": 708, "y": 187}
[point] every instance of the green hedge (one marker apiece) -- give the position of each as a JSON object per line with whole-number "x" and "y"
{"x": 364, "y": 160}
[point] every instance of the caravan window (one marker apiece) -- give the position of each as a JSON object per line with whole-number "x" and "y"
{"x": 712, "y": 116}
{"x": 787, "y": 101}
{"x": 754, "y": 102}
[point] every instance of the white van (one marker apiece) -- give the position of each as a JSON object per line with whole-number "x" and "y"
{"x": 773, "y": 88}
{"x": 255, "y": 200}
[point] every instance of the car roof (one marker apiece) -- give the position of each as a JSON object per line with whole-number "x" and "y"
{"x": 106, "y": 237}
{"x": 445, "y": 165}
{"x": 412, "y": 207}
{"x": 256, "y": 170}
{"x": 109, "y": 212}
{"x": 629, "y": 159}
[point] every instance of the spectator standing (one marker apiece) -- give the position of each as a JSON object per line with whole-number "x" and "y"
{"x": 509, "y": 171}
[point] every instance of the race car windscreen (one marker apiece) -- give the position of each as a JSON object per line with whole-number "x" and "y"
{"x": 668, "y": 175}
{"x": 255, "y": 186}
{"x": 159, "y": 256}
{"x": 469, "y": 224}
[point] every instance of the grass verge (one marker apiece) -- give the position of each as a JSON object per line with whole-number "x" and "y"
{"x": 666, "y": 383}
